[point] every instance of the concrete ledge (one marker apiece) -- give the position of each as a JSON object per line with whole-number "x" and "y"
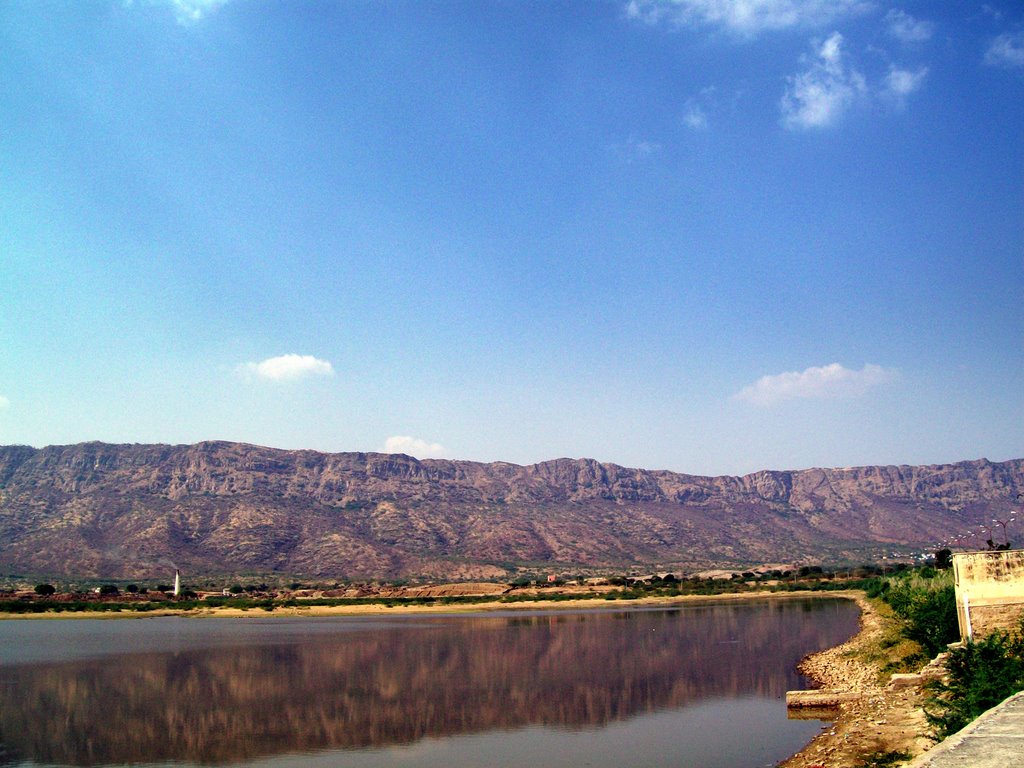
{"x": 933, "y": 670}
{"x": 817, "y": 699}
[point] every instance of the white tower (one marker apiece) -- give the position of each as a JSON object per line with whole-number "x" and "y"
{"x": 177, "y": 582}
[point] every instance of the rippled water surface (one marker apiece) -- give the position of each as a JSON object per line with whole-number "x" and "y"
{"x": 701, "y": 685}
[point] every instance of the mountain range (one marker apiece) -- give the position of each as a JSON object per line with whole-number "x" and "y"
{"x": 135, "y": 511}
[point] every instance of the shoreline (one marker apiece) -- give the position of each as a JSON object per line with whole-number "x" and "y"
{"x": 378, "y": 609}
{"x": 873, "y": 717}
{"x": 875, "y": 720}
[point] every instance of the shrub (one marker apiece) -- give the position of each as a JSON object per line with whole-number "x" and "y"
{"x": 45, "y": 589}
{"x": 929, "y": 609}
{"x": 981, "y": 674}
{"x": 877, "y": 587}
{"x": 933, "y": 621}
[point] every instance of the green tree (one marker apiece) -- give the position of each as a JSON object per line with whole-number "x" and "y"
{"x": 45, "y": 589}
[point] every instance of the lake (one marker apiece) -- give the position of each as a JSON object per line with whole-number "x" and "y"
{"x": 701, "y": 685}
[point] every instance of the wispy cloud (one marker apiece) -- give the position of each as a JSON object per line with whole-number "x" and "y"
{"x": 906, "y": 28}
{"x": 743, "y": 17}
{"x": 694, "y": 116}
{"x": 634, "y": 149}
{"x": 289, "y": 367}
{"x": 697, "y": 108}
{"x": 185, "y": 11}
{"x": 4, "y": 402}
{"x": 1007, "y": 50}
{"x": 818, "y": 96}
{"x": 191, "y": 11}
{"x": 995, "y": 13}
{"x": 822, "y": 382}
{"x": 902, "y": 82}
{"x": 414, "y": 446}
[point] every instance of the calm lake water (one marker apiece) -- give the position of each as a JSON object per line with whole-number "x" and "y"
{"x": 699, "y": 686}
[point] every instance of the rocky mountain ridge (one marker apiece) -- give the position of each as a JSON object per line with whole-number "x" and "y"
{"x": 98, "y": 509}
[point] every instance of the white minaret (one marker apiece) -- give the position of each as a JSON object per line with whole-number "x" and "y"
{"x": 177, "y": 582}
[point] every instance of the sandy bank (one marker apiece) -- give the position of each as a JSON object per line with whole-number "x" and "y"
{"x": 377, "y": 609}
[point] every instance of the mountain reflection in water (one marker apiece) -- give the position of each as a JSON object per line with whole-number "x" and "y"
{"x": 395, "y": 684}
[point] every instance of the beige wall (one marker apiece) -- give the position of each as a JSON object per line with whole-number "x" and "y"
{"x": 990, "y": 588}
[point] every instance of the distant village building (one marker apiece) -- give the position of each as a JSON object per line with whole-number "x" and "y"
{"x": 989, "y": 591}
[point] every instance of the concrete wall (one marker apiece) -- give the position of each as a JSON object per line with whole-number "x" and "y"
{"x": 990, "y": 590}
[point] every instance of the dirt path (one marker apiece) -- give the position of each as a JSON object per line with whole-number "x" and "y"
{"x": 879, "y": 717}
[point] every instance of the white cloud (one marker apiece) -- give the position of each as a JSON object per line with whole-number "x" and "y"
{"x": 818, "y": 97}
{"x": 1007, "y": 50}
{"x": 824, "y": 382}
{"x": 288, "y": 368}
{"x": 413, "y": 446}
{"x": 907, "y": 29}
{"x": 694, "y": 117}
{"x": 743, "y": 17}
{"x": 902, "y": 82}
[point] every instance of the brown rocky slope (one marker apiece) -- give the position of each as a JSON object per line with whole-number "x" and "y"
{"x": 129, "y": 511}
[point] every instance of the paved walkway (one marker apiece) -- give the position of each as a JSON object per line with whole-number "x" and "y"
{"x": 994, "y": 740}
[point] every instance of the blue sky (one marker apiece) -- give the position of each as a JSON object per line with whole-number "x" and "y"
{"x": 711, "y": 236}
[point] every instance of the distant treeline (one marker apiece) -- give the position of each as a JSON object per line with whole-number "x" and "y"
{"x": 629, "y": 589}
